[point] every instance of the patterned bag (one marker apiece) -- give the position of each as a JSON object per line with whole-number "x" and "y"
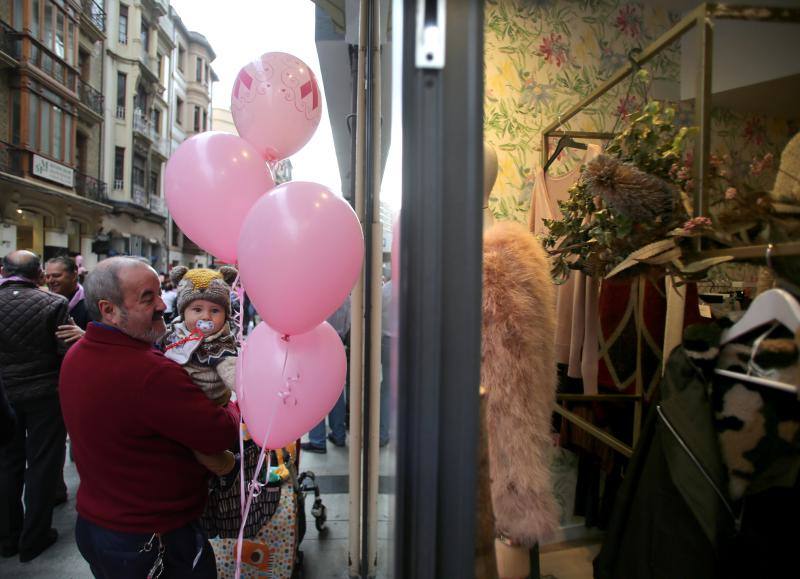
{"x": 222, "y": 516}
{"x": 271, "y": 552}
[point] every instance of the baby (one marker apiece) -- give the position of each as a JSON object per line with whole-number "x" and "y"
{"x": 200, "y": 340}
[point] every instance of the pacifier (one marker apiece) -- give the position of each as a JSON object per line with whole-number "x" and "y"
{"x": 205, "y": 326}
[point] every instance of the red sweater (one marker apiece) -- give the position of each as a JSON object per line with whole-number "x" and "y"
{"x": 132, "y": 417}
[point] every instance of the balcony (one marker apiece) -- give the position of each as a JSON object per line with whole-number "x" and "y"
{"x": 141, "y": 126}
{"x": 120, "y": 112}
{"x": 162, "y": 7}
{"x": 139, "y": 196}
{"x": 91, "y": 97}
{"x": 10, "y": 159}
{"x": 119, "y": 185}
{"x": 94, "y": 13}
{"x": 157, "y": 205}
{"x": 160, "y": 146}
{"x": 89, "y": 187}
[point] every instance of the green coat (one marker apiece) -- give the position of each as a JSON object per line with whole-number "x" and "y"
{"x": 673, "y": 518}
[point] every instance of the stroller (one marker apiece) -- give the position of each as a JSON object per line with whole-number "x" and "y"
{"x": 307, "y": 483}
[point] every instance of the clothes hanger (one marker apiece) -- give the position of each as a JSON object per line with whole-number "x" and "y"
{"x": 564, "y": 142}
{"x": 774, "y": 305}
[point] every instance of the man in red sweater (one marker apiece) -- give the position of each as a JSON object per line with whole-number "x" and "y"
{"x": 134, "y": 417}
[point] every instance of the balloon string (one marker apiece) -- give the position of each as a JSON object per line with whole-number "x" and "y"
{"x": 255, "y": 484}
{"x": 251, "y": 489}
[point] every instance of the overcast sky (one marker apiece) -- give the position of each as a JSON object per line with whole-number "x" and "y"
{"x": 242, "y": 30}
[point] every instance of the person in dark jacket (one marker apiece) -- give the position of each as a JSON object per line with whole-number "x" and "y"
{"x": 8, "y": 418}
{"x": 30, "y": 359}
{"x": 133, "y": 424}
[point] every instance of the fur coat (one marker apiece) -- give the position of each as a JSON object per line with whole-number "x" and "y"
{"x": 518, "y": 375}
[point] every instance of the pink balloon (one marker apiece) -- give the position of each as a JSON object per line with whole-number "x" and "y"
{"x": 211, "y": 182}
{"x": 300, "y": 254}
{"x": 284, "y": 396}
{"x": 276, "y": 104}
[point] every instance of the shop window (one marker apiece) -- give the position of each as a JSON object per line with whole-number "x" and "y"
{"x": 196, "y": 119}
{"x": 198, "y": 73}
{"x": 123, "y": 24}
{"x": 119, "y": 167}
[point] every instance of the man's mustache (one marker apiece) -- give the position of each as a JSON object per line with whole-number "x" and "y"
{"x": 158, "y": 316}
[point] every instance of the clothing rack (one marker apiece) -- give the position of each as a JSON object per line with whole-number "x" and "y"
{"x": 701, "y": 18}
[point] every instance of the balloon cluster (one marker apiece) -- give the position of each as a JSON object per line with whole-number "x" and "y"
{"x": 299, "y": 247}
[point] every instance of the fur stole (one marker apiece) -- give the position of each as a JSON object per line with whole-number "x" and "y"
{"x": 518, "y": 372}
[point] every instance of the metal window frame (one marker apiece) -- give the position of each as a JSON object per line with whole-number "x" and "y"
{"x": 440, "y": 305}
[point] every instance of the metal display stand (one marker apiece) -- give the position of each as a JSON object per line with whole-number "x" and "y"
{"x": 701, "y": 18}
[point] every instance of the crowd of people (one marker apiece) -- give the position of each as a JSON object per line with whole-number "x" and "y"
{"x": 130, "y": 364}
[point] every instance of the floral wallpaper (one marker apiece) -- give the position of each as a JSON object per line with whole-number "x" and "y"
{"x": 543, "y": 56}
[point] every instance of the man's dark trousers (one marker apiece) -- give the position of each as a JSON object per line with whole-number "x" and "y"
{"x": 39, "y": 440}
{"x": 116, "y": 555}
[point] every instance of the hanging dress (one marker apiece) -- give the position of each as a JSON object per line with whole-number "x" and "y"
{"x": 577, "y": 316}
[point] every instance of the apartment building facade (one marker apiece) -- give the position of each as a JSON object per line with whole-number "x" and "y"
{"x": 136, "y": 143}
{"x": 53, "y": 198}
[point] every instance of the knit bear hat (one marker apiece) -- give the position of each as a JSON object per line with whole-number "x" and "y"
{"x": 203, "y": 284}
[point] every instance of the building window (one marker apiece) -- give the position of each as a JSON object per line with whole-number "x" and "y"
{"x": 123, "y": 24}
{"x": 160, "y": 61}
{"x": 153, "y": 183}
{"x": 179, "y": 111}
{"x": 138, "y": 173}
{"x": 18, "y": 12}
{"x": 35, "y": 18}
{"x": 205, "y": 120}
{"x": 198, "y": 73}
{"x": 49, "y": 130}
{"x": 58, "y": 33}
{"x": 155, "y": 120}
{"x": 122, "y": 81}
{"x": 119, "y": 167}
{"x": 15, "y": 117}
{"x": 196, "y": 119}
{"x": 145, "y": 36}
{"x": 33, "y": 121}
{"x": 181, "y": 57}
{"x": 207, "y": 77}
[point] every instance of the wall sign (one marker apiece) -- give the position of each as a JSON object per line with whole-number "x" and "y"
{"x": 52, "y": 171}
